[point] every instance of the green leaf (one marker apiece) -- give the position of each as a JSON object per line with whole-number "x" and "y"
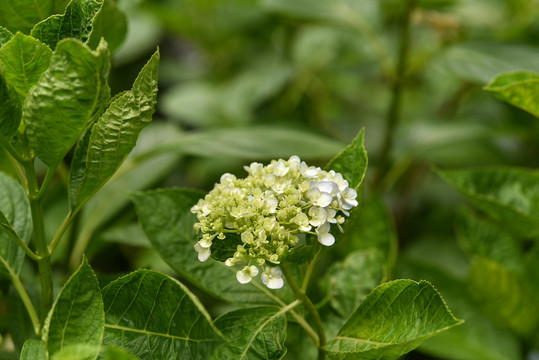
{"x": 15, "y": 217}
{"x": 10, "y": 107}
{"x": 77, "y": 315}
{"x": 166, "y": 219}
{"x": 393, "y": 320}
{"x": 33, "y": 350}
{"x": 519, "y": 89}
{"x": 67, "y": 99}
{"x": 110, "y": 23}
{"x": 115, "y": 353}
{"x": 252, "y": 333}
{"x": 508, "y": 195}
{"x": 21, "y": 15}
{"x": 156, "y": 317}
{"x": 77, "y": 352}
{"x": 352, "y": 162}
{"x": 5, "y": 36}
{"x": 76, "y": 23}
{"x": 506, "y": 296}
{"x": 113, "y": 136}
{"x": 25, "y": 59}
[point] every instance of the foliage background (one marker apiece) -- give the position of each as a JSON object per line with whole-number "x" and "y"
{"x": 252, "y": 80}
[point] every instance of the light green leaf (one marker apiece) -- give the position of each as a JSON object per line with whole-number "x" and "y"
{"x": 5, "y": 36}
{"x": 393, "y": 320}
{"x": 77, "y": 315}
{"x": 25, "y": 59}
{"x": 21, "y": 15}
{"x": 113, "y": 136}
{"x": 156, "y": 317}
{"x": 76, "y": 23}
{"x": 15, "y": 217}
{"x": 519, "y": 89}
{"x": 508, "y": 195}
{"x": 166, "y": 219}
{"x": 77, "y": 352}
{"x": 252, "y": 333}
{"x": 507, "y": 297}
{"x": 110, "y": 23}
{"x": 69, "y": 96}
{"x": 352, "y": 162}
{"x": 33, "y": 350}
{"x": 116, "y": 353}
{"x": 10, "y": 107}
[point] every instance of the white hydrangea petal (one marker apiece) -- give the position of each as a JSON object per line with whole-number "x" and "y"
{"x": 324, "y": 237}
{"x": 243, "y": 276}
{"x": 328, "y": 187}
{"x": 203, "y": 253}
{"x": 271, "y": 277}
{"x": 324, "y": 200}
{"x": 275, "y": 283}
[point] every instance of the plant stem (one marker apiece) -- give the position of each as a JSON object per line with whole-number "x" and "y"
{"x": 24, "y": 296}
{"x": 46, "y": 182}
{"x": 21, "y": 243}
{"x": 302, "y": 296}
{"x": 61, "y": 230}
{"x": 309, "y": 271}
{"x": 40, "y": 240}
{"x": 12, "y": 151}
{"x": 393, "y": 113}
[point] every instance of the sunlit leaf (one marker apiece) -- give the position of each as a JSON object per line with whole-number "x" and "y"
{"x": 519, "y": 89}
{"x": 252, "y": 333}
{"x": 33, "y": 350}
{"x": 155, "y": 317}
{"x": 21, "y": 15}
{"x": 5, "y": 36}
{"x": 72, "y": 91}
{"x": 393, "y": 320}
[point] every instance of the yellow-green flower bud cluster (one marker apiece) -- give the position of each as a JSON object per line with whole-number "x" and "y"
{"x": 269, "y": 209}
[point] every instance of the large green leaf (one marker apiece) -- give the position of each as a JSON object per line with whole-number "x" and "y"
{"x": 76, "y": 23}
{"x": 508, "y": 195}
{"x": 5, "y": 36}
{"x": 252, "y": 333}
{"x": 21, "y": 15}
{"x": 33, "y": 350}
{"x": 110, "y": 23}
{"x": 10, "y": 107}
{"x": 393, "y": 320}
{"x": 156, "y": 317}
{"x": 15, "y": 218}
{"x": 69, "y": 96}
{"x": 506, "y": 296}
{"x": 113, "y": 136}
{"x": 352, "y": 161}
{"x": 77, "y": 315}
{"x": 25, "y": 59}
{"x": 166, "y": 219}
{"x": 517, "y": 88}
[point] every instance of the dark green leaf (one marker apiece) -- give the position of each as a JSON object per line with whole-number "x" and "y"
{"x": 113, "y": 136}
{"x": 21, "y": 15}
{"x": 10, "y": 107}
{"x": 519, "y": 89}
{"x": 155, "y": 317}
{"x": 5, "y": 36}
{"x": 224, "y": 249}
{"x": 25, "y": 59}
{"x": 77, "y": 315}
{"x": 15, "y": 217}
{"x": 69, "y": 96}
{"x": 393, "y": 320}
{"x": 34, "y": 350}
{"x": 76, "y": 23}
{"x": 110, "y": 23}
{"x": 508, "y": 195}
{"x": 351, "y": 162}
{"x": 252, "y": 333}
{"x": 166, "y": 219}
{"x": 505, "y": 296}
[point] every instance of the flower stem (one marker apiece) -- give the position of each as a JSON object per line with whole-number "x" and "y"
{"x": 302, "y": 296}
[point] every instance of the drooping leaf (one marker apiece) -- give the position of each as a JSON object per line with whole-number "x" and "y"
{"x": 156, "y": 317}
{"x": 33, "y": 350}
{"x": 15, "y": 217}
{"x": 508, "y": 195}
{"x": 519, "y": 89}
{"x": 166, "y": 219}
{"x": 252, "y": 333}
{"x": 76, "y": 23}
{"x": 110, "y": 23}
{"x": 21, "y": 15}
{"x": 393, "y": 320}
{"x": 113, "y": 136}
{"x": 505, "y": 296}
{"x": 67, "y": 99}
{"x": 5, "y": 36}
{"x": 10, "y": 107}
{"x": 25, "y": 59}
{"x": 77, "y": 315}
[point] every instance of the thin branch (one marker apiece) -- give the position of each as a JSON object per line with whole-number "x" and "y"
{"x": 61, "y": 230}
{"x": 12, "y": 151}
{"x": 32, "y": 255}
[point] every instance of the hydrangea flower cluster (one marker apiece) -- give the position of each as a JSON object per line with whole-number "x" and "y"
{"x": 270, "y": 209}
